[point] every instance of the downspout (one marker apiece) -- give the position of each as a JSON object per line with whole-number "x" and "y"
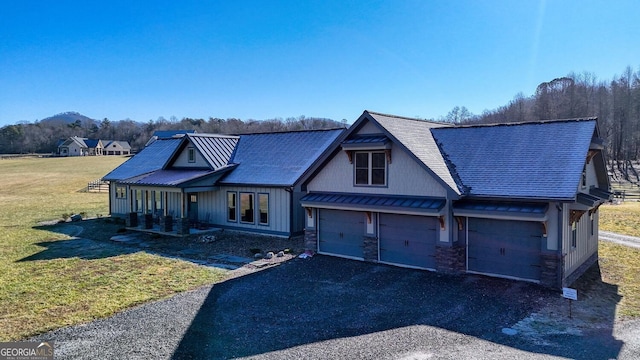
{"x": 560, "y": 275}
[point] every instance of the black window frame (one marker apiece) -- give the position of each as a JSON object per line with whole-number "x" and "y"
{"x": 248, "y": 212}
{"x": 259, "y": 208}
{"x": 232, "y": 210}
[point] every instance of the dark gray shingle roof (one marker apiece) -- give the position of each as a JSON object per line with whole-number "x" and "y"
{"x": 277, "y": 159}
{"x": 532, "y": 160}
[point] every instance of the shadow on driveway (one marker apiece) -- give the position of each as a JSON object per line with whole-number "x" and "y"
{"x": 304, "y": 302}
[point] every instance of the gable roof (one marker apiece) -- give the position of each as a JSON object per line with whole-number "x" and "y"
{"x": 541, "y": 160}
{"x": 124, "y": 144}
{"x": 414, "y": 135}
{"x": 151, "y": 158}
{"x": 277, "y": 159}
{"x": 215, "y": 149}
{"x": 167, "y": 134}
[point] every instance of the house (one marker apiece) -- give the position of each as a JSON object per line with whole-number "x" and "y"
{"x": 115, "y": 147}
{"x": 249, "y": 182}
{"x": 78, "y": 146}
{"x": 517, "y": 201}
{"x": 73, "y": 146}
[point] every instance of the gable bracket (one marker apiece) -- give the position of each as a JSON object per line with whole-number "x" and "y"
{"x": 388, "y": 153}
{"x": 575, "y": 215}
{"x": 349, "y": 155}
{"x": 308, "y": 212}
{"x": 460, "y": 221}
{"x": 368, "y": 217}
{"x": 591, "y": 154}
{"x": 441, "y": 219}
{"x": 544, "y": 229}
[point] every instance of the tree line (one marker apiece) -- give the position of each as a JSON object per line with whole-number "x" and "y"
{"x": 616, "y": 104}
{"x": 43, "y": 136}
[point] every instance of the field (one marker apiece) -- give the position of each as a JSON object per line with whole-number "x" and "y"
{"x": 39, "y": 293}
{"x": 620, "y": 265}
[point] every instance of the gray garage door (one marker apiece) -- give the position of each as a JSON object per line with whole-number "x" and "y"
{"x": 408, "y": 240}
{"x": 341, "y": 233}
{"x": 508, "y": 248}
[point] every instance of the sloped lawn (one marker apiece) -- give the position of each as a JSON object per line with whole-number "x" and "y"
{"x": 48, "y": 279}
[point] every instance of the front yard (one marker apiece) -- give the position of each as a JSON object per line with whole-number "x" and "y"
{"x": 40, "y": 291}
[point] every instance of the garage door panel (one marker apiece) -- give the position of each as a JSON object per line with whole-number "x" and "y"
{"x": 341, "y": 233}
{"x": 504, "y": 247}
{"x": 408, "y": 240}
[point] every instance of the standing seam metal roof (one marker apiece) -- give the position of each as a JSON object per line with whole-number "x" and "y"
{"x": 216, "y": 149}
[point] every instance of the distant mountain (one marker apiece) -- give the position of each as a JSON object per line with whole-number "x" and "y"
{"x": 68, "y": 117}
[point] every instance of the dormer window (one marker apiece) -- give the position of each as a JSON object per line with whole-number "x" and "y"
{"x": 192, "y": 155}
{"x": 370, "y": 168}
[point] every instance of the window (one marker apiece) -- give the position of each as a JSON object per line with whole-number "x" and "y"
{"x": 370, "y": 168}
{"x": 121, "y": 192}
{"x": 574, "y": 235}
{"x": 246, "y": 208}
{"x": 138, "y": 201}
{"x": 584, "y": 177}
{"x": 263, "y": 208}
{"x": 192, "y": 155}
{"x": 592, "y": 223}
{"x": 159, "y": 199}
{"x": 231, "y": 205}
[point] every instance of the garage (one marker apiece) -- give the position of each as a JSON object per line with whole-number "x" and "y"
{"x": 504, "y": 247}
{"x": 408, "y": 240}
{"x": 341, "y": 233}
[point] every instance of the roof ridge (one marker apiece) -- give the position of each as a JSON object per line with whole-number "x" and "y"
{"x": 408, "y": 118}
{"x": 292, "y": 131}
{"x": 534, "y": 122}
{"x": 210, "y": 135}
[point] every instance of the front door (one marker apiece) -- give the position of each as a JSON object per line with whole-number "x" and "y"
{"x": 193, "y": 207}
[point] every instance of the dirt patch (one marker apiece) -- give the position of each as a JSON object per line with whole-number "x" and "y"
{"x": 595, "y": 311}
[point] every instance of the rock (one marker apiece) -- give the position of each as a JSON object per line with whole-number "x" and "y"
{"x": 76, "y": 217}
{"x": 207, "y": 238}
{"x": 258, "y": 255}
{"x": 509, "y": 331}
{"x": 280, "y": 254}
{"x": 269, "y": 255}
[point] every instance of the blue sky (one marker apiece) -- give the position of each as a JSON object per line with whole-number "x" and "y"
{"x": 265, "y": 59}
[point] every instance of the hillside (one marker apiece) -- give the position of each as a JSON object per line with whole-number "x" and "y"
{"x": 68, "y": 117}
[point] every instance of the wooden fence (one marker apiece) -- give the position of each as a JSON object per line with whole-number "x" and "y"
{"x": 98, "y": 186}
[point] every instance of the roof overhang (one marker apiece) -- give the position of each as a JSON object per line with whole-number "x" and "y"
{"x": 527, "y": 211}
{"x": 379, "y": 203}
{"x": 204, "y": 178}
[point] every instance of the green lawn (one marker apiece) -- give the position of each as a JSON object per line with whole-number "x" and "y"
{"x": 42, "y": 293}
{"x": 620, "y": 265}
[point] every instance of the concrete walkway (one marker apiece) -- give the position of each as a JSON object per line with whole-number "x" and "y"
{"x": 626, "y": 240}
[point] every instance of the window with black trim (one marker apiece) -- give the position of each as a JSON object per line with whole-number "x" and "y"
{"x": 192, "y": 155}
{"x": 121, "y": 192}
{"x": 574, "y": 235}
{"x": 263, "y": 209}
{"x": 231, "y": 205}
{"x": 138, "y": 202}
{"x": 246, "y": 208}
{"x": 370, "y": 168}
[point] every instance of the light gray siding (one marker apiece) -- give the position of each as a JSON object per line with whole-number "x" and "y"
{"x": 586, "y": 243}
{"x": 118, "y": 206}
{"x": 183, "y": 159}
{"x": 404, "y": 177}
{"x": 279, "y": 208}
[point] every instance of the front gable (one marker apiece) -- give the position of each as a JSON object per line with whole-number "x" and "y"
{"x": 365, "y": 154}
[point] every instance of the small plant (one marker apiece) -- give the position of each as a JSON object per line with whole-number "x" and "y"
{"x": 65, "y": 216}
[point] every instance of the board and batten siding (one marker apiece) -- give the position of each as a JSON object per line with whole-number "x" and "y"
{"x": 404, "y": 177}
{"x": 183, "y": 159}
{"x": 586, "y": 244}
{"x": 279, "y": 204}
{"x": 118, "y": 207}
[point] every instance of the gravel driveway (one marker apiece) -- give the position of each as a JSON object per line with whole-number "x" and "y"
{"x": 330, "y": 308}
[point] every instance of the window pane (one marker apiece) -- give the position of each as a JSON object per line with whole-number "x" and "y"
{"x": 263, "y": 201}
{"x": 377, "y": 160}
{"x": 362, "y": 160}
{"x": 362, "y": 176}
{"x": 377, "y": 177}
{"x": 231, "y": 204}
{"x": 192, "y": 155}
{"x": 246, "y": 207}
